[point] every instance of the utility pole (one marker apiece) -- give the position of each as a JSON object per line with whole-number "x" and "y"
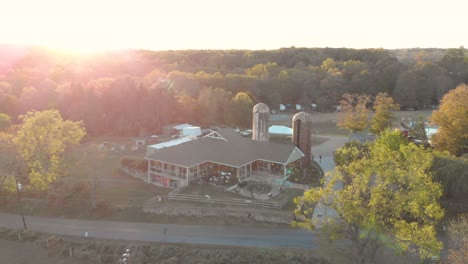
{"x": 18, "y": 188}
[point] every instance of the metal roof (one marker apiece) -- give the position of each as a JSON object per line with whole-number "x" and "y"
{"x": 229, "y": 149}
{"x": 171, "y": 143}
{"x": 280, "y": 130}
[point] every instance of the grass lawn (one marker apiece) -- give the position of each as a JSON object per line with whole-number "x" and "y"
{"x": 207, "y": 189}
{"x": 102, "y": 170}
{"x": 126, "y": 190}
{"x": 288, "y": 195}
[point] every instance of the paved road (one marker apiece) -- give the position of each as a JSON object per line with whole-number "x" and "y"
{"x": 191, "y": 234}
{"x": 326, "y": 150}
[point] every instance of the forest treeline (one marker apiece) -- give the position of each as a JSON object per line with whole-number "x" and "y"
{"x": 138, "y": 91}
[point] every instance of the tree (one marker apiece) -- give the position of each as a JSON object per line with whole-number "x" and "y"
{"x": 263, "y": 71}
{"x": 42, "y": 139}
{"x": 383, "y": 116}
{"x": 452, "y": 118}
{"x": 5, "y": 121}
{"x": 240, "y": 111}
{"x": 452, "y": 173}
{"x": 330, "y": 89}
{"x": 354, "y": 115}
{"x": 390, "y": 200}
{"x": 418, "y": 130}
{"x": 458, "y": 243}
{"x": 211, "y": 103}
{"x": 406, "y": 90}
{"x": 10, "y": 164}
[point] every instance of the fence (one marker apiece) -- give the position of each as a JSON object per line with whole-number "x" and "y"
{"x": 239, "y": 202}
{"x": 177, "y": 190}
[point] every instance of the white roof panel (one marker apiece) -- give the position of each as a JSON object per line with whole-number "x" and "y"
{"x": 280, "y": 130}
{"x": 171, "y": 143}
{"x": 182, "y": 126}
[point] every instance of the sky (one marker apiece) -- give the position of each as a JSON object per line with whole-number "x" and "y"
{"x": 92, "y": 25}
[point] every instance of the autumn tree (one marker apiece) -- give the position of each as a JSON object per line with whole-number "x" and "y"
{"x": 42, "y": 139}
{"x": 354, "y": 114}
{"x": 188, "y": 103}
{"x": 452, "y": 118}
{"x": 212, "y": 105}
{"x": 391, "y": 200}
{"x": 10, "y": 164}
{"x": 383, "y": 116}
{"x": 240, "y": 111}
{"x": 5, "y": 121}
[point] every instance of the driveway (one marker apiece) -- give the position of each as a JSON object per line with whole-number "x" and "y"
{"x": 326, "y": 150}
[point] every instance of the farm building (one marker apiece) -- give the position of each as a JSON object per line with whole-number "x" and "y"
{"x": 223, "y": 152}
{"x": 230, "y": 154}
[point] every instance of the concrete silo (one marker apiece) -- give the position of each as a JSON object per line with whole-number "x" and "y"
{"x": 260, "y": 122}
{"x": 302, "y": 134}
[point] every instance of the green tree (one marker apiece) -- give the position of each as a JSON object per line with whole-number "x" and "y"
{"x": 391, "y": 200}
{"x": 188, "y": 103}
{"x": 212, "y": 104}
{"x": 354, "y": 115}
{"x": 240, "y": 112}
{"x": 452, "y": 173}
{"x": 5, "y": 121}
{"x": 452, "y": 118}
{"x": 383, "y": 116}
{"x": 351, "y": 152}
{"x": 418, "y": 130}
{"x": 41, "y": 140}
{"x": 263, "y": 71}
{"x": 406, "y": 90}
{"x": 10, "y": 164}
{"x": 330, "y": 89}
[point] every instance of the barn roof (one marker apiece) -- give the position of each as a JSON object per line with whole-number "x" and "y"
{"x": 226, "y": 147}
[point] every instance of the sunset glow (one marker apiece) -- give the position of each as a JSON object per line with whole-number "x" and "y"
{"x": 208, "y": 24}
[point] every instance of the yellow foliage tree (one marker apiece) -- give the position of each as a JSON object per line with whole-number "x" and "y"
{"x": 452, "y": 118}
{"x": 240, "y": 110}
{"x": 9, "y": 163}
{"x": 42, "y": 139}
{"x": 354, "y": 115}
{"x": 383, "y": 117}
{"x": 389, "y": 199}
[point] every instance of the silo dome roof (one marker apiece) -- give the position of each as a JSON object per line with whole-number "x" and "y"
{"x": 261, "y": 108}
{"x": 303, "y": 116}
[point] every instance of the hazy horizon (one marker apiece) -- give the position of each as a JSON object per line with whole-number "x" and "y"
{"x": 223, "y": 25}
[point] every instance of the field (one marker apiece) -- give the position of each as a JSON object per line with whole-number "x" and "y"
{"x": 100, "y": 170}
{"x": 325, "y": 123}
